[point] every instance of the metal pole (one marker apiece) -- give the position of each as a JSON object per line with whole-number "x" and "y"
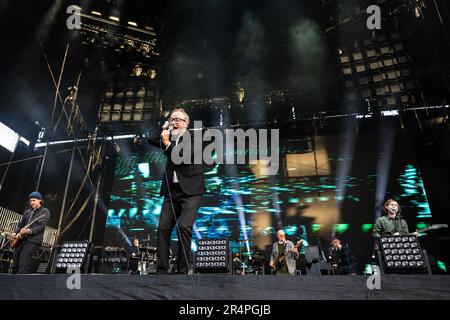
{"x": 42, "y": 167}
{"x": 97, "y": 190}
{"x": 7, "y": 167}
{"x": 63, "y": 207}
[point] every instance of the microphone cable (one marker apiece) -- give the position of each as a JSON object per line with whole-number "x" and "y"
{"x": 177, "y": 226}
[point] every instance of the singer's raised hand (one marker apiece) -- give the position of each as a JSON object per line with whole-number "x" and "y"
{"x": 166, "y": 125}
{"x": 165, "y": 137}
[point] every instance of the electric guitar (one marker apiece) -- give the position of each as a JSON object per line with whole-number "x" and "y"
{"x": 17, "y": 240}
{"x": 277, "y": 261}
{"x": 433, "y": 227}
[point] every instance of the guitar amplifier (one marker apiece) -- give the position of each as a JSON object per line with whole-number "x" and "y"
{"x": 402, "y": 254}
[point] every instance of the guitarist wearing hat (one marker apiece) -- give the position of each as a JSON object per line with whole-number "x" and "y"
{"x": 29, "y": 233}
{"x": 284, "y": 254}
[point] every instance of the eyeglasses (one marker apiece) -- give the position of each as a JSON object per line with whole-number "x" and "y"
{"x": 176, "y": 120}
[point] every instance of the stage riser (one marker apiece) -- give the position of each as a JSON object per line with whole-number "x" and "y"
{"x": 218, "y": 287}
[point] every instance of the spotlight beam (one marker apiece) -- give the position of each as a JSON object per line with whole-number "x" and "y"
{"x": 386, "y": 145}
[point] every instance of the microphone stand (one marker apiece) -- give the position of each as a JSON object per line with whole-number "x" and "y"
{"x": 398, "y": 219}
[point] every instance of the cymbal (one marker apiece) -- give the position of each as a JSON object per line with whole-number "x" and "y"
{"x": 147, "y": 248}
{"x": 259, "y": 257}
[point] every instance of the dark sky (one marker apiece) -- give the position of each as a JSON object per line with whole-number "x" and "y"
{"x": 207, "y": 46}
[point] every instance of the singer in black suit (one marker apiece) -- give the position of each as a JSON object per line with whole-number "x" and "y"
{"x": 33, "y": 234}
{"x": 182, "y": 187}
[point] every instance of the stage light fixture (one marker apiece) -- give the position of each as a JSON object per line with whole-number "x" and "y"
{"x": 344, "y": 59}
{"x": 140, "y": 93}
{"x": 417, "y": 11}
{"x": 117, "y": 107}
{"x": 402, "y": 254}
{"x": 137, "y": 70}
{"x": 152, "y": 73}
{"x": 106, "y": 106}
{"x": 139, "y": 105}
{"x": 145, "y": 48}
{"x": 357, "y": 56}
{"x": 130, "y": 93}
{"x": 240, "y": 92}
{"x": 8, "y": 137}
{"x": 128, "y": 106}
{"x": 126, "y": 116}
{"x": 104, "y": 116}
{"x": 73, "y": 254}
{"x": 212, "y": 256}
{"x": 137, "y": 115}
{"x": 347, "y": 71}
{"x": 115, "y": 116}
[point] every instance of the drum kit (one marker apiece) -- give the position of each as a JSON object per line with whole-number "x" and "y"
{"x": 248, "y": 263}
{"x": 146, "y": 257}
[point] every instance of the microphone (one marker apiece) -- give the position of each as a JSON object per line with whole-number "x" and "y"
{"x": 397, "y": 213}
{"x": 167, "y": 126}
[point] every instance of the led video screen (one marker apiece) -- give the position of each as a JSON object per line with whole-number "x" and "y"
{"x": 327, "y": 186}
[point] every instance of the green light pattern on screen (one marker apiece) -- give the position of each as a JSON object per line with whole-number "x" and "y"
{"x": 315, "y": 227}
{"x": 367, "y": 227}
{"x": 412, "y": 186}
{"x": 341, "y": 228}
{"x": 135, "y": 203}
{"x": 441, "y": 265}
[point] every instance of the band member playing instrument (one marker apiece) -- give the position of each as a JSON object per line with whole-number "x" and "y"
{"x": 30, "y": 233}
{"x": 182, "y": 187}
{"x": 284, "y": 254}
{"x": 392, "y": 223}
{"x": 342, "y": 259}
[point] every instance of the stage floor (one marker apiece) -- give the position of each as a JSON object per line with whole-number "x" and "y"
{"x": 222, "y": 287}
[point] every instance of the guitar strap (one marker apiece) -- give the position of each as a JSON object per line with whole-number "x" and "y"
{"x": 36, "y": 220}
{"x": 33, "y": 211}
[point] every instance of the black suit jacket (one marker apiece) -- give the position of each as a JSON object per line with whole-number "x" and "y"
{"x": 190, "y": 176}
{"x": 37, "y": 228}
